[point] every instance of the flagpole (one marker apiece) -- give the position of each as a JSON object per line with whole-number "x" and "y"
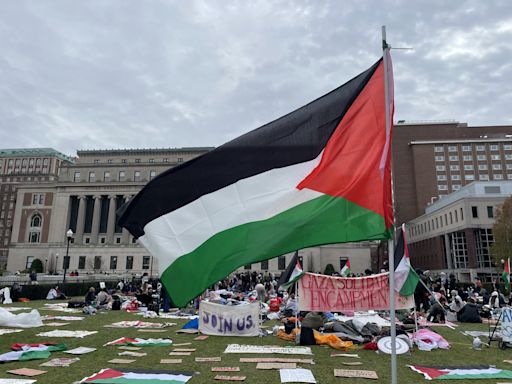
{"x": 391, "y": 244}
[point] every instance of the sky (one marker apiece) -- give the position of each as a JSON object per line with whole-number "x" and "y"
{"x": 110, "y": 74}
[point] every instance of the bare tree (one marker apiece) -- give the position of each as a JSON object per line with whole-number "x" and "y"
{"x": 501, "y": 249}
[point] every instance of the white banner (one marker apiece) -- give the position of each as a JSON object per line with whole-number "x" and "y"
{"x": 506, "y": 324}
{"x": 229, "y": 320}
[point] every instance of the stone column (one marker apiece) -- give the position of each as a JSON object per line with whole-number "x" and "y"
{"x": 80, "y": 222}
{"x": 126, "y": 235}
{"x": 96, "y": 219}
{"x": 111, "y": 221}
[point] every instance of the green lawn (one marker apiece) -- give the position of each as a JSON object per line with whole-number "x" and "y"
{"x": 460, "y": 353}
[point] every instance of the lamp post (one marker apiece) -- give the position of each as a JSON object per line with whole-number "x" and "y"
{"x": 69, "y": 235}
{"x": 56, "y": 267}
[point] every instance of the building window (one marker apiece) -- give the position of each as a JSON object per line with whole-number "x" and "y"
{"x": 136, "y": 176}
{"x": 495, "y": 157}
{"x": 496, "y": 167}
{"x": 483, "y": 177}
{"x": 438, "y": 149}
{"x": 106, "y": 176}
{"x": 442, "y": 187}
{"x": 509, "y": 176}
{"x": 451, "y": 218}
{"x": 122, "y": 175}
{"x": 490, "y": 212}
{"x": 166, "y": 159}
{"x": 76, "y": 178}
{"x": 469, "y": 167}
{"x": 494, "y": 147}
{"x": 439, "y": 158}
{"x": 113, "y": 262}
{"x": 508, "y": 166}
{"x": 152, "y": 175}
{"x": 281, "y": 262}
{"x": 497, "y": 177}
{"x": 28, "y": 262}
{"x": 459, "y": 249}
{"x": 480, "y": 147}
{"x": 484, "y": 240}
{"x": 466, "y": 148}
{"x": 180, "y": 159}
{"x": 468, "y": 158}
{"x": 441, "y": 177}
{"x": 96, "y": 161}
{"x": 145, "y": 262}
{"x": 118, "y": 240}
{"x": 454, "y": 168}
{"x": 129, "y": 262}
{"x": 452, "y": 148}
{"x": 264, "y": 265}
{"x": 38, "y": 199}
{"x": 92, "y": 177}
{"x": 461, "y": 214}
{"x": 151, "y": 160}
{"x": 482, "y": 167}
{"x": 81, "y": 262}
{"x": 109, "y": 161}
{"x": 455, "y": 177}
{"x": 137, "y": 160}
{"x": 474, "y": 212}
{"x": 508, "y": 157}
{"x": 123, "y": 161}
{"x": 481, "y": 157}
{"x": 97, "y": 262}
{"x": 454, "y": 158}
{"x": 440, "y": 168}
{"x": 34, "y": 235}
{"x": 507, "y": 147}
{"x": 469, "y": 177}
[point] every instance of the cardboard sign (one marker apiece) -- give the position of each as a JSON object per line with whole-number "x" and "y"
{"x": 327, "y": 293}
{"x": 298, "y": 375}
{"x": 200, "y": 338}
{"x": 506, "y": 325}
{"x": 276, "y": 366}
{"x": 207, "y": 359}
{"x": 171, "y": 361}
{"x": 134, "y": 354}
{"x": 180, "y": 353}
{"x": 237, "y": 348}
{"x": 225, "y": 369}
{"x": 184, "y": 350}
{"x": 275, "y": 360}
{"x": 356, "y": 373}
{"x": 229, "y": 320}
{"x": 26, "y": 372}
{"x": 229, "y": 378}
{"x": 121, "y": 361}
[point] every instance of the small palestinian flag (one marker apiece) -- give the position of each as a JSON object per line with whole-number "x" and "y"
{"x": 24, "y": 352}
{"x": 137, "y": 376}
{"x": 345, "y": 271}
{"x": 297, "y": 273}
{"x": 462, "y": 372}
{"x": 406, "y": 278}
{"x": 141, "y": 342}
{"x": 318, "y": 175}
{"x": 506, "y": 275}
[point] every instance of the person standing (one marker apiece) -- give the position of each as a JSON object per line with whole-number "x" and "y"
{"x": 33, "y": 277}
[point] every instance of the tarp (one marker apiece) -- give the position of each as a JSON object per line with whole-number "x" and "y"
{"x": 229, "y": 320}
{"x": 327, "y": 293}
{"x": 21, "y": 320}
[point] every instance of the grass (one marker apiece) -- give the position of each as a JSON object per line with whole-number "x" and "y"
{"x": 459, "y": 354}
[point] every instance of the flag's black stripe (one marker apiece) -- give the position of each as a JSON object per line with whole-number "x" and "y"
{"x": 399, "y": 248}
{"x": 295, "y": 138}
{"x": 285, "y": 276}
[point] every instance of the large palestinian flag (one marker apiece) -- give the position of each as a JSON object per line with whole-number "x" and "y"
{"x": 137, "y": 342}
{"x": 318, "y": 175}
{"x": 138, "y": 376}
{"x": 462, "y": 373}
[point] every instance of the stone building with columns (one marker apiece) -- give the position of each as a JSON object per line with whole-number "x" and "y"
{"x": 85, "y": 198}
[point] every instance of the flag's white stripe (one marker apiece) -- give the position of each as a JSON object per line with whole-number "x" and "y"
{"x": 401, "y": 272}
{"x": 252, "y": 199}
{"x": 156, "y": 376}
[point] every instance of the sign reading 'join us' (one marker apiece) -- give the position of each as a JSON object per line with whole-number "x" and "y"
{"x": 229, "y": 320}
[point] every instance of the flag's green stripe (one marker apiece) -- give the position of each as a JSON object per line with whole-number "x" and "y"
{"x": 324, "y": 220}
{"x": 480, "y": 376}
{"x": 410, "y": 283}
{"x": 34, "y": 355}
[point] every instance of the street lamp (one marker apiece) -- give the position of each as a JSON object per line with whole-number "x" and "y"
{"x": 69, "y": 235}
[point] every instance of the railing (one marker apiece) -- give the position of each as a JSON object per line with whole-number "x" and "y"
{"x": 24, "y": 279}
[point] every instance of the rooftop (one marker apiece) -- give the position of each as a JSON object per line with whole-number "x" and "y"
{"x": 27, "y": 152}
{"x": 140, "y": 151}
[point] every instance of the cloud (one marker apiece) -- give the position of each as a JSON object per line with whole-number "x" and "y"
{"x": 119, "y": 74}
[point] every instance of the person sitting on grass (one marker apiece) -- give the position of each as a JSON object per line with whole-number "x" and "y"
{"x": 55, "y": 294}
{"x": 90, "y": 297}
{"x": 103, "y": 298}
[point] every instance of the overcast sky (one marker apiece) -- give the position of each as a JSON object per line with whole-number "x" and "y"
{"x": 145, "y": 74}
